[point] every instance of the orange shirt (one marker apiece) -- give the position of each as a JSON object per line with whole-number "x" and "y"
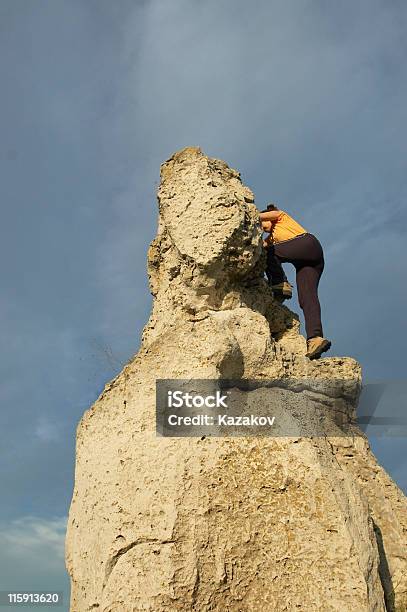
{"x": 284, "y": 228}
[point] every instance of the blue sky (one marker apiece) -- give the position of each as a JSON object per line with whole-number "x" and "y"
{"x": 307, "y": 100}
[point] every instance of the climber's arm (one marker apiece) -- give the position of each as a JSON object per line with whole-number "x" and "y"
{"x": 270, "y": 215}
{"x": 268, "y": 240}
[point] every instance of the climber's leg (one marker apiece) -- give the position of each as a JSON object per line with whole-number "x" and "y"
{"x": 274, "y": 269}
{"x": 307, "y": 287}
{"x": 282, "y": 290}
{"x": 308, "y": 258}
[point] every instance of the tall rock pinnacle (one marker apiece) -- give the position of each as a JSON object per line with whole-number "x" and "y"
{"x": 239, "y": 524}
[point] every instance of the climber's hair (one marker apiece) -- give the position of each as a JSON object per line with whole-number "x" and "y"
{"x": 270, "y": 206}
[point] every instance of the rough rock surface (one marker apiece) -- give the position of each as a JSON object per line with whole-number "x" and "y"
{"x": 230, "y": 523}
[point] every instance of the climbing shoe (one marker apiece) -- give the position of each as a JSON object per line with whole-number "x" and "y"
{"x": 316, "y": 346}
{"x": 282, "y": 291}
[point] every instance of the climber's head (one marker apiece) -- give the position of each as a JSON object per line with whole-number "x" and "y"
{"x": 270, "y": 206}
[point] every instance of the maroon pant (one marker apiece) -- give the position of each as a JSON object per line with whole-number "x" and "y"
{"x": 306, "y": 254}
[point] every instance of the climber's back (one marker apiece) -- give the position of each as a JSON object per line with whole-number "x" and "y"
{"x": 285, "y": 227}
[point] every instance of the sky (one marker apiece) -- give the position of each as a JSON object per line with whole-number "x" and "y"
{"x": 307, "y": 100}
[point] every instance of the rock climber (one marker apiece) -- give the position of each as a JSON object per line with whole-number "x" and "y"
{"x": 288, "y": 241}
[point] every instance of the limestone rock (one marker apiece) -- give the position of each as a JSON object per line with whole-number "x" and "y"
{"x": 237, "y": 524}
